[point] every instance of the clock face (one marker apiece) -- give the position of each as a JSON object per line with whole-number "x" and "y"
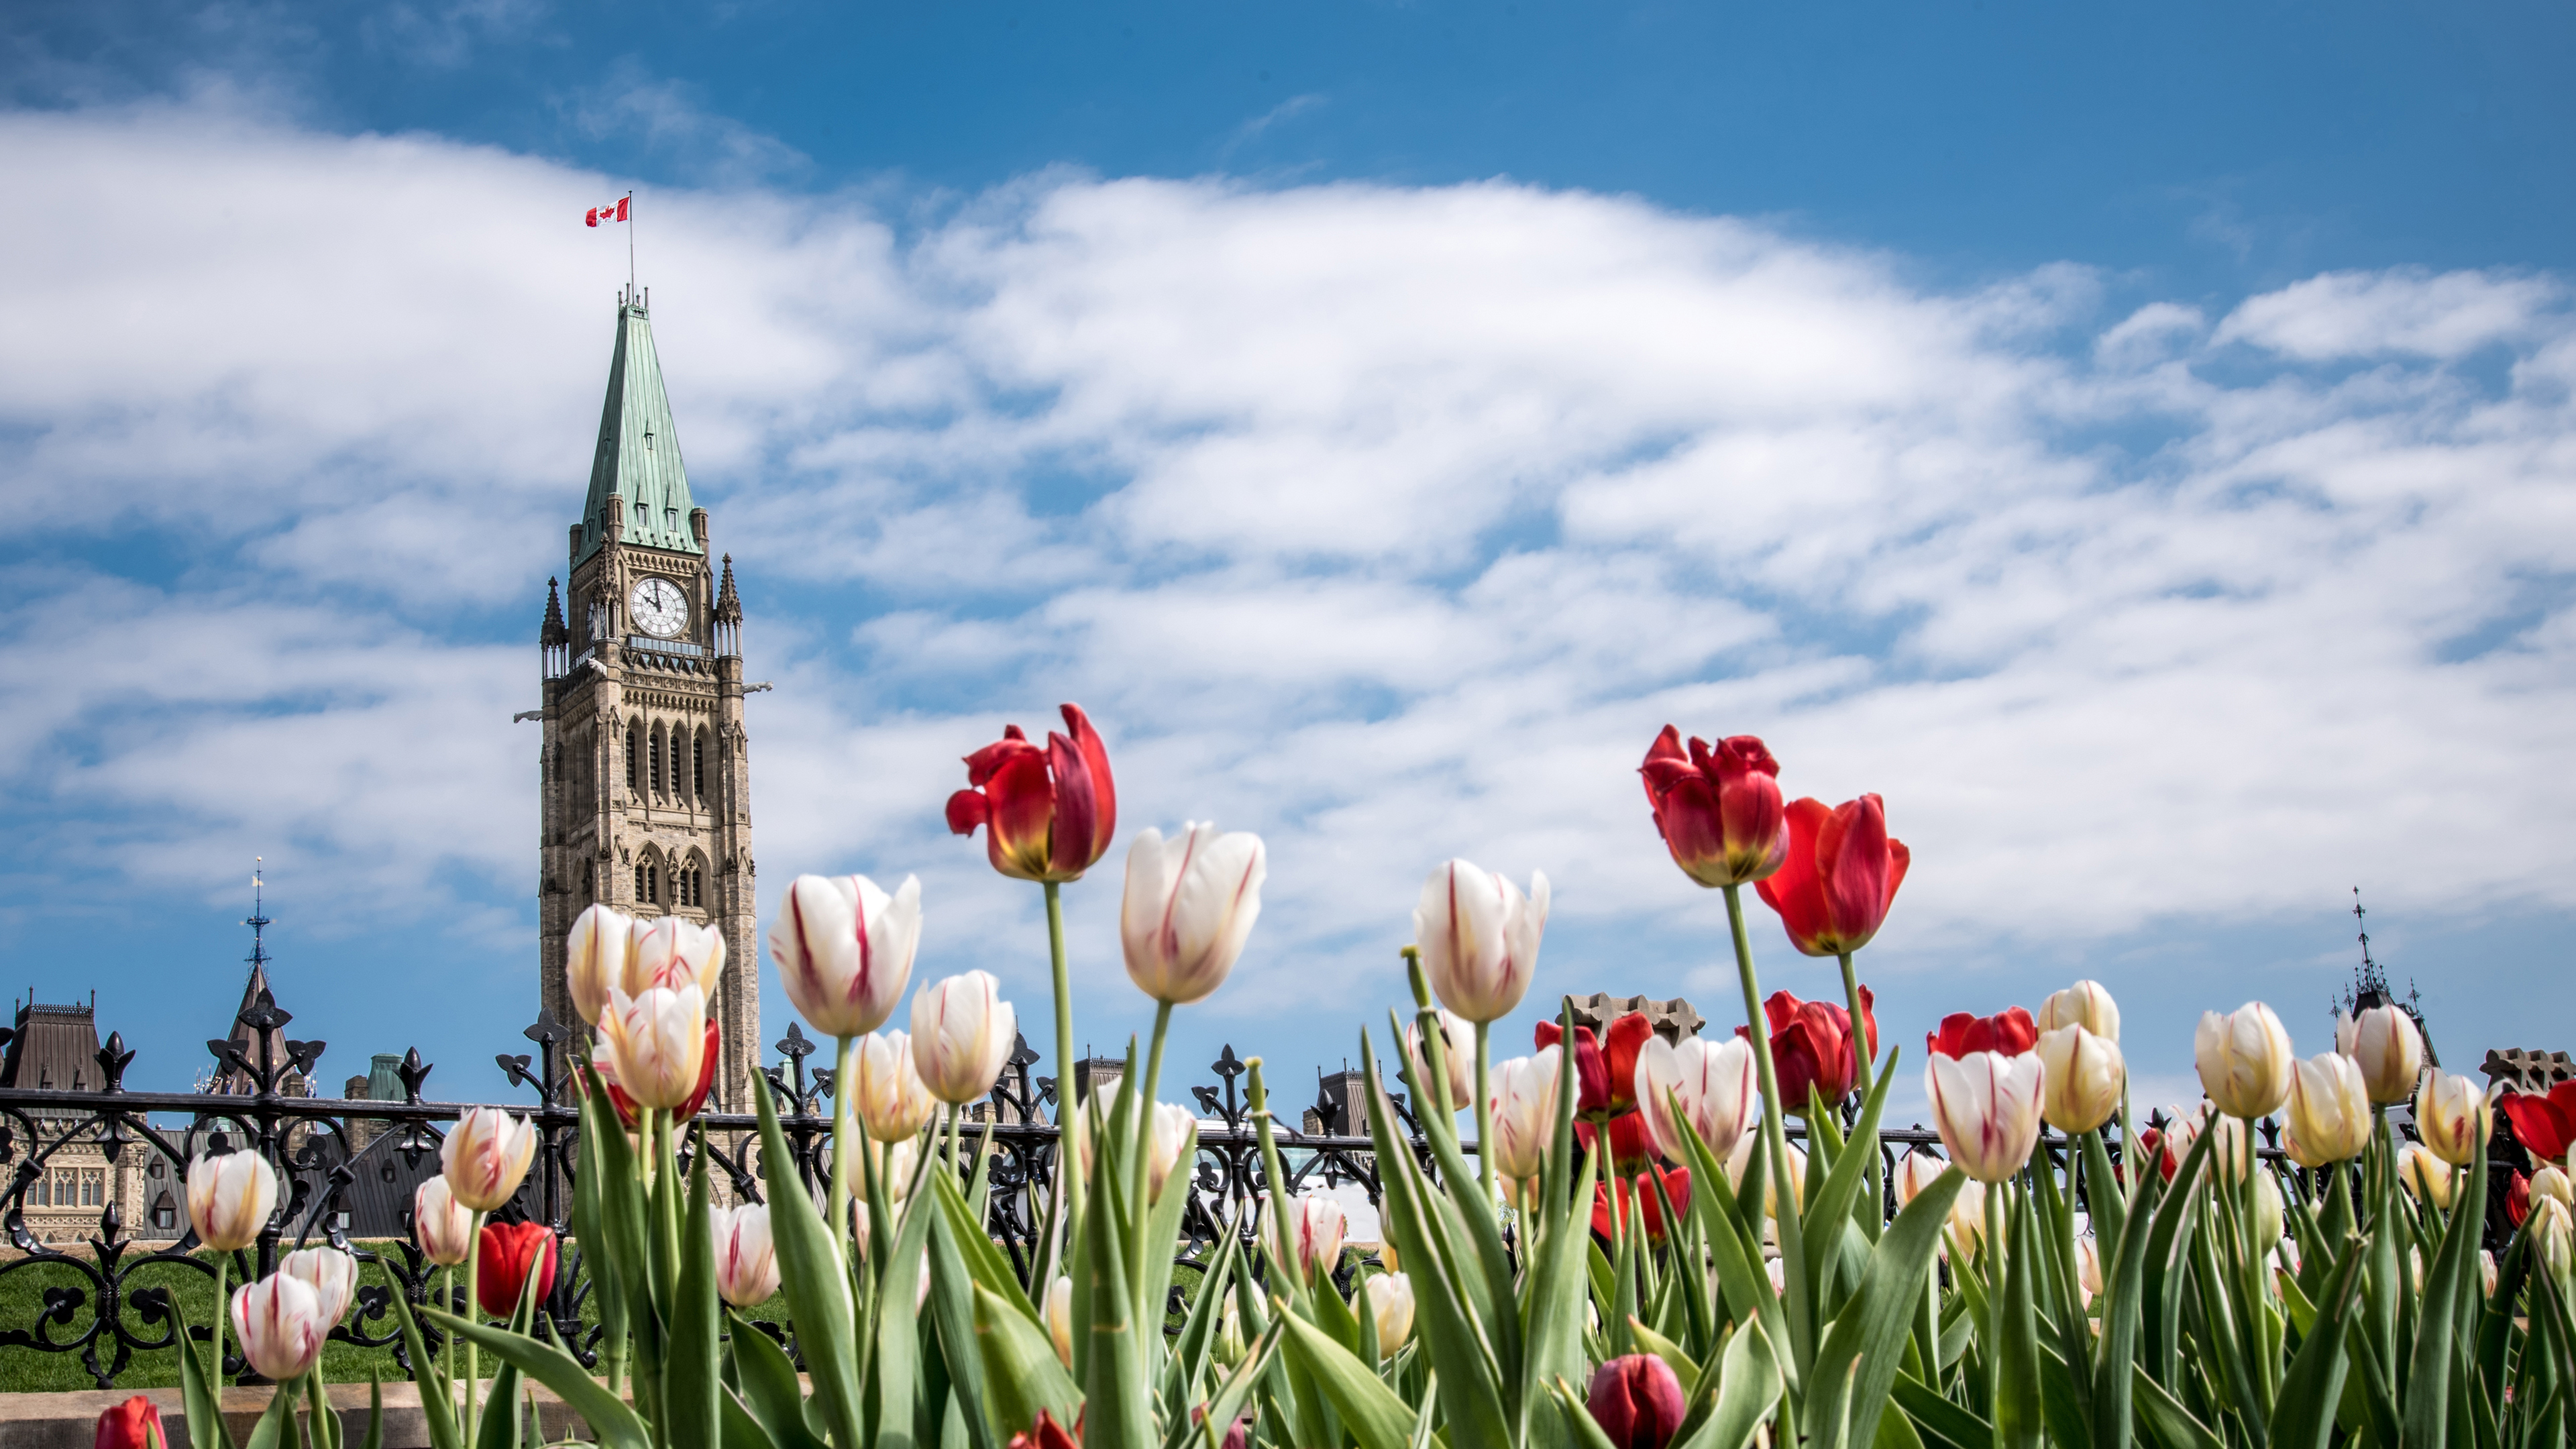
{"x": 660, "y": 609}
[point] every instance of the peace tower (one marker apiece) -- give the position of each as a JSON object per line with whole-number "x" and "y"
{"x": 646, "y": 776}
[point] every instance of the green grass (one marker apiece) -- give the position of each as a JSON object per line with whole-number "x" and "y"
{"x": 29, "y": 1370}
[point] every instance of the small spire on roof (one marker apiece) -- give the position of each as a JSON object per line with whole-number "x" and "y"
{"x": 554, "y": 631}
{"x": 728, "y": 603}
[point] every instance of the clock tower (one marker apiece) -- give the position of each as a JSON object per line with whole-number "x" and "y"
{"x": 646, "y": 776}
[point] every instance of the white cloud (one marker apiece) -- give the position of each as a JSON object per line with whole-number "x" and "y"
{"x": 1389, "y": 522}
{"x": 2368, "y": 314}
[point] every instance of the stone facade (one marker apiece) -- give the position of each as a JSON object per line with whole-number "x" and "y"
{"x": 56, "y": 1047}
{"x": 645, "y": 765}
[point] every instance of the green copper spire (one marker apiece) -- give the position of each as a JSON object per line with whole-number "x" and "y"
{"x": 639, "y": 448}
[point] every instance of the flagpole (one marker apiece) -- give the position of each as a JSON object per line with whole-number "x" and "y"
{"x": 630, "y": 241}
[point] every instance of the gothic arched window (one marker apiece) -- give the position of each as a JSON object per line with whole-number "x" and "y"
{"x": 656, "y": 748}
{"x": 698, "y": 765}
{"x": 634, "y": 759}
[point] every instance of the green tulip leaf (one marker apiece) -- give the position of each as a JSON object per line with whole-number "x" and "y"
{"x": 617, "y": 1425}
{"x": 1580, "y": 1426}
{"x": 1749, "y": 1387}
{"x": 437, "y": 1395}
{"x": 766, "y": 1378}
{"x": 1859, "y": 1357}
{"x": 693, "y": 1392}
{"x": 1939, "y": 1417}
{"x": 2166, "y": 1418}
{"x": 817, "y": 1285}
{"x": 1368, "y": 1409}
{"x": 2304, "y": 1415}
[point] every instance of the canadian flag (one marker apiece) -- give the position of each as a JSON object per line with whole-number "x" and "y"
{"x": 614, "y": 211}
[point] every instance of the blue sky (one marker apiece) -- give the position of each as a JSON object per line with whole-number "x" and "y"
{"x": 2137, "y": 445}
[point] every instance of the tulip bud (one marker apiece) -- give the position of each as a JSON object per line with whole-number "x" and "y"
{"x": 279, "y": 1323}
{"x": 1718, "y": 808}
{"x": 962, "y": 1032}
{"x": 2088, "y": 1266}
{"x": 2083, "y": 1004}
{"x": 1188, "y": 906}
{"x": 1172, "y": 1137}
{"x": 1716, "y": 1086}
{"x": 485, "y": 1157}
{"x": 230, "y": 1199}
{"x": 2329, "y": 1114}
{"x": 1479, "y": 938}
{"x": 897, "y": 1164}
{"x": 1458, "y": 1056}
{"x": 2486, "y": 1273}
{"x": 595, "y": 958}
{"x": 655, "y": 1044}
{"x": 1525, "y": 1112}
{"x": 2244, "y": 1058}
{"x": 134, "y": 1424}
{"x": 2553, "y": 1231}
{"x": 1637, "y": 1401}
{"x": 2453, "y": 1117}
{"x": 1797, "y": 1161}
{"x": 2550, "y": 1182}
{"x": 746, "y": 1259}
{"x": 1987, "y": 1108}
{"x": 668, "y": 953}
{"x": 1966, "y": 1227}
{"x": 1315, "y": 1234}
{"x": 886, "y": 1091}
{"x": 513, "y": 1253}
{"x": 1778, "y": 1273}
{"x": 1059, "y": 1318}
{"x": 1915, "y": 1171}
{"x": 2084, "y": 1075}
{"x": 844, "y": 950}
{"x": 2388, "y": 1048}
{"x": 2425, "y": 1177}
{"x": 2231, "y": 1157}
{"x": 442, "y": 1226}
{"x": 330, "y": 1273}
{"x": 1390, "y": 1301}
{"x": 2267, "y": 1209}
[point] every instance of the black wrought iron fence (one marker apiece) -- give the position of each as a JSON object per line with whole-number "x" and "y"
{"x": 348, "y": 1168}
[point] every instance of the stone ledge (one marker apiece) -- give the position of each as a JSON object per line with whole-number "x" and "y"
{"x": 70, "y": 1420}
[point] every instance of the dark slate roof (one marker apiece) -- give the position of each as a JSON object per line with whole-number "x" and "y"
{"x": 53, "y": 1046}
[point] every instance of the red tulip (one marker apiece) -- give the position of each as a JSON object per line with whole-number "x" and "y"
{"x": 2167, "y": 1148}
{"x": 1047, "y": 814}
{"x": 511, "y": 1251}
{"x": 2544, "y": 1125}
{"x": 1046, "y": 1433}
{"x": 1677, "y": 1186}
{"x": 625, "y": 1105}
{"x": 1719, "y": 809}
{"x": 1632, "y": 1150}
{"x": 1839, "y": 877}
{"x": 1811, "y": 1043}
{"x": 2517, "y": 1200}
{"x": 2009, "y": 1031}
{"x": 1605, "y": 1082}
{"x": 1637, "y": 1401}
{"x": 134, "y": 1424}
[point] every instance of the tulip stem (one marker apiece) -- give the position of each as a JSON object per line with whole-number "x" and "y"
{"x": 1864, "y": 1063}
{"x": 223, "y": 1310}
{"x": 1793, "y": 1256}
{"x": 841, "y": 1146}
{"x": 1071, "y": 1191}
{"x": 1484, "y": 1107}
{"x": 1143, "y": 1140}
{"x": 473, "y": 1312}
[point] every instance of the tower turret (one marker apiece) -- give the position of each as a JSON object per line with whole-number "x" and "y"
{"x": 646, "y": 793}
